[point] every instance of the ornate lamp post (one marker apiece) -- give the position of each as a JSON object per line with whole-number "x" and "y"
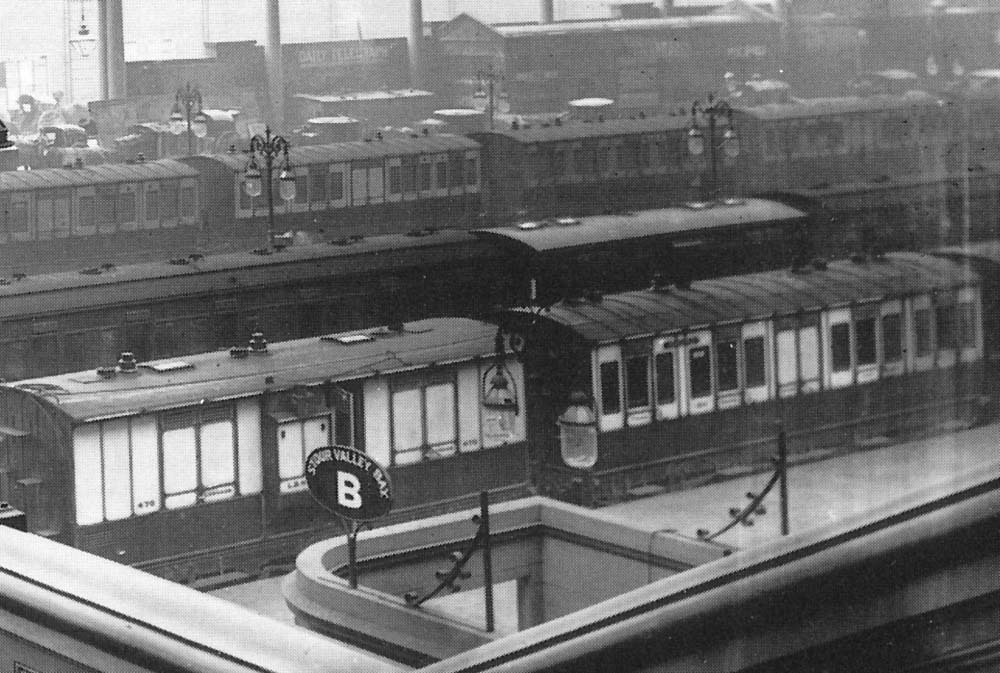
{"x": 84, "y": 42}
{"x": 187, "y": 100}
{"x": 269, "y": 147}
{"x": 578, "y": 440}
{"x": 697, "y": 141}
{"x": 499, "y": 396}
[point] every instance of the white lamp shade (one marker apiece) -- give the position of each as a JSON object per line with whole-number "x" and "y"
{"x": 696, "y": 142}
{"x": 731, "y": 143}
{"x": 286, "y": 185}
{"x": 199, "y": 126}
{"x": 252, "y": 184}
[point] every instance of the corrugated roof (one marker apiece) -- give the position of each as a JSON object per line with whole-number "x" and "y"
{"x": 565, "y": 233}
{"x": 813, "y": 107}
{"x": 56, "y": 293}
{"x": 631, "y": 25}
{"x": 305, "y": 155}
{"x": 54, "y": 178}
{"x": 582, "y": 130}
{"x": 217, "y": 376}
{"x": 645, "y": 313}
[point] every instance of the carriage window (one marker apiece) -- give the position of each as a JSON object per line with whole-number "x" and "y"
{"x": 967, "y": 324}
{"x": 180, "y": 468}
{"x": 395, "y": 179}
{"x": 864, "y": 334}
{"x": 922, "y": 329}
{"x": 455, "y": 170}
{"x": 424, "y": 422}
{"x": 665, "y": 392}
{"x": 892, "y": 338}
{"x": 701, "y": 371}
{"x": 809, "y": 354}
{"x": 296, "y": 440}
{"x": 787, "y": 358}
{"x": 442, "y": 174}
{"x": 152, "y": 205}
{"x": 753, "y": 361}
{"x": 169, "y": 199}
{"x": 840, "y": 347}
{"x": 610, "y": 400}
{"x": 126, "y": 207}
{"x": 317, "y": 185}
{"x": 187, "y": 202}
{"x": 302, "y": 188}
{"x": 19, "y": 216}
{"x": 199, "y": 457}
{"x": 726, "y": 365}
{"x": 425, "y": 177}
{"x": 336, "y": 185}
{"x": 471, "y": 171}
{"x": 637, "y": 381}
{"x": 946, "y": 320}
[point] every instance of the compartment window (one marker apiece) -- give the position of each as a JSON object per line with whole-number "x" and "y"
{"x": 753, "y": 361}
{"x": 395, "y": 179}
{"x": 922, "y": 330}
{"x": 187, "y": 202}
{"x": 152, "y": 205}
{"x": 840, "y": 347}
{"x": 442, "y": 174}
{"x": 302, "y": 188}
{"x": 665, "y": 391}
{"x": 727, "y": 365}
{"x": 199, "y": 457}
{"x": 809, "y": 354}
{"x": 424, "y": 421}
{"x": 472, "y": 171}
{"x": 967, "y": 324}
{"x": 169, "y": 198}
{"x": 336, "y": 185}
{"x": 88, "y": 214}
{"x": 892, "y": 338}
{"x": 946, "y": 322}
{"x": 864, "y": 334}
{"x": 317, "y": 185}
{"x": 637, "y": 381}
{"x": 126, "y": 207}
{"x": 296, "y": 440}
{"x": 425, "y": 177}
{"x": 610, "y": 399}
{"x": 700, "y": 360}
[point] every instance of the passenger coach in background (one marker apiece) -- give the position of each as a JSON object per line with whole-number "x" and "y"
{"x": 194, "y": 466}
{"x": 687, "y": 381}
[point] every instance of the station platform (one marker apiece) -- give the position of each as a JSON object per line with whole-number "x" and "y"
{"x": 820, "y": 493}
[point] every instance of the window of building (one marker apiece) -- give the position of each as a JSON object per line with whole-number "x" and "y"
{"x": 425, "y": 177}
{"x": 610, "y": 381}
{"x": 840, "y": 347}
{"x": 864, "y": 337}
{"x": 126, "y": 206}
{"x": 152, "y": 205}
{"x": 169, "y": 198}
{"x": 441, "y": 176}
{"x": 637, "y": 381}
{"x": 700, "y": 360}
{"x": 892, "y": 338}
{"x": 666, "y": 392}
{"x": 317, "y": 185}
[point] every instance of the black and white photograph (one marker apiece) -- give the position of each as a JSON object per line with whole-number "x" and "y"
{"x": 519, "y": 336}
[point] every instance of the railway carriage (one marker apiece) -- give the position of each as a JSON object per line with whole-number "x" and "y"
{"x": 688, "y": 381}
{"x": 58, "y": 217}
{"x": 369, "y": 187}
{"x": 195, "y": 466}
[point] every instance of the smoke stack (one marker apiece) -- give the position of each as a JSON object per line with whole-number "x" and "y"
{"x": 275, "y": 78}
{"x": 547, "y": 12}
{"x": 114, "y": 35}
{"x": 416, "y": 45}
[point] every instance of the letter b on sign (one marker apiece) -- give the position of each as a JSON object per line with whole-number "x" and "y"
{"x": 348, "y": 490}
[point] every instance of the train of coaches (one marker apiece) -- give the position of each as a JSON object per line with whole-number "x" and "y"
{"x": 193, "y": 465}
{"x": 909, "y": 170}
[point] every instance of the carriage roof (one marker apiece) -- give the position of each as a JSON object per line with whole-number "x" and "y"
{"x": 215, "y": 376}
{"x": 562, "y": 233}
{"x": 643, "y": 313}
{"x": 60, "y": 178}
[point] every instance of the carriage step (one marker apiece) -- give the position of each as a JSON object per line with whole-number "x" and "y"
{"x": 222, "y": 581}
{"x": 645, "y": 491}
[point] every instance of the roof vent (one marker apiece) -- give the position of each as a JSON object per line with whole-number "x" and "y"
{"x": 659, "y": 284}
{"x": 126, "y": 363}
{"x": 18, "y": 276}
{"x": 239, "y": 352}
{"x": 258, "y": 344}
{"x": 195, "y": 256}
{"x": 819, "y": 264}
{"x": 92, "y": 271}
{"x": 179, "y": 261}
{"x": 106, "y": 372}
{"x": 859, "y": 258}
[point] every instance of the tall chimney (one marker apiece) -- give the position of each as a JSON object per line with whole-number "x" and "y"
{"x": 113, "y": 33}
{"x": 416, "y": 44}
{"x": 546, "y": 10}
{"x": 275, "y": 78}
{"x": 102, "y": 49}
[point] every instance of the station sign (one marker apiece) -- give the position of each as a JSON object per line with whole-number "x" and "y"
{"x": 349, "y": 483}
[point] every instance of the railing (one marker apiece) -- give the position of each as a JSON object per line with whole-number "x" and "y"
{"x": 686, "y": 470}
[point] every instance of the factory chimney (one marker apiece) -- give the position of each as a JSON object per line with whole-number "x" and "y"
{"x": 416, "y": 44}
{"x": 547, "y": 12}
{"x": 275, "y": 78}
{"x": 112, "y": 46}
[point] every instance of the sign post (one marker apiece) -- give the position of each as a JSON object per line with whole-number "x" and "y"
{"x": 352, "y": 486}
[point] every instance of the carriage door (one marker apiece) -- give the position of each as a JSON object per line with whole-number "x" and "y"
{"x": 756, "y": 369}
{"x": 666, "y": 355}
{"x": 697, "y": 364}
